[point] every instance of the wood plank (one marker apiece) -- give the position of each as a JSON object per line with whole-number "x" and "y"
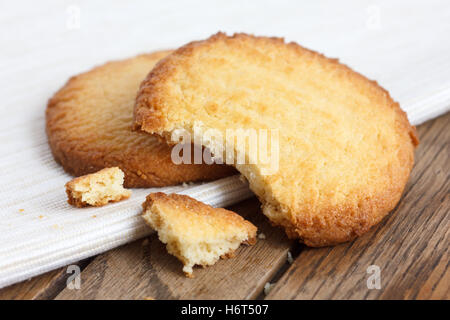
{"x": 40, "y": 287}
{"x": 410, "y": 246}
{"x": 144, "y": 269}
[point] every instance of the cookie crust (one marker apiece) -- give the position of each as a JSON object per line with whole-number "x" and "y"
{"x": 89, "y": 127}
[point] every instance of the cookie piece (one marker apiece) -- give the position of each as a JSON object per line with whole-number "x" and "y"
{"x": 346, "y": 149}
{"x": 89, "y": 125}
{"x": 97, "y": 189}
{"x": 194, "y": 232}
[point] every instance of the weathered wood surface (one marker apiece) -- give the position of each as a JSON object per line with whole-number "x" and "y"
{"x": 40, "y": 287}
{"x": 410, "y": 246}
{"x": 43, "y": 287}
{"x": 143, "y": 269}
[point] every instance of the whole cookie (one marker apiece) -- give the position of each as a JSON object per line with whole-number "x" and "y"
{"x": 89, "y": 124}
{"x": 346, "y": 149}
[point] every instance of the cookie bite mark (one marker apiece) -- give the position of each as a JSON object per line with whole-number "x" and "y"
{"x": 346, "y": 149}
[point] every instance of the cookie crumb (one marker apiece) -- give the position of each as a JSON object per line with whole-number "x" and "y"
{"x": 21, "y": 210}
{"x": 97, "y": 189}
{"x": 196, "y": 233}
{"x": 267, "y": 287}
{"x": 243, "y": 179}
{"x": 289, "y": 257}
{"x": 187, "y": 184}
{"x": 261, "y": 236}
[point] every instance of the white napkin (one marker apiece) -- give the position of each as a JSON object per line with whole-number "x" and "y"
{"x": 405, "y": 47}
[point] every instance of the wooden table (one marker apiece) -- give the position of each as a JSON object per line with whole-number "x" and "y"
{"x": 410, "y": 247}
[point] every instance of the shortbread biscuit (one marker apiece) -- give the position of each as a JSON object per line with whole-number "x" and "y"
{"x": 89, "y": 125}
{"x": 346, "y": 149}
{"x": 97, "y": 189}
{"x": 194, "y": 232}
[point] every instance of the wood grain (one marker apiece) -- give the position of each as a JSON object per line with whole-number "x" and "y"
{"x": 43, "y": 287}
{"x": 410, "y": 246}
{"x": 36, "y": 288}
{"x": 144, "y": 269}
